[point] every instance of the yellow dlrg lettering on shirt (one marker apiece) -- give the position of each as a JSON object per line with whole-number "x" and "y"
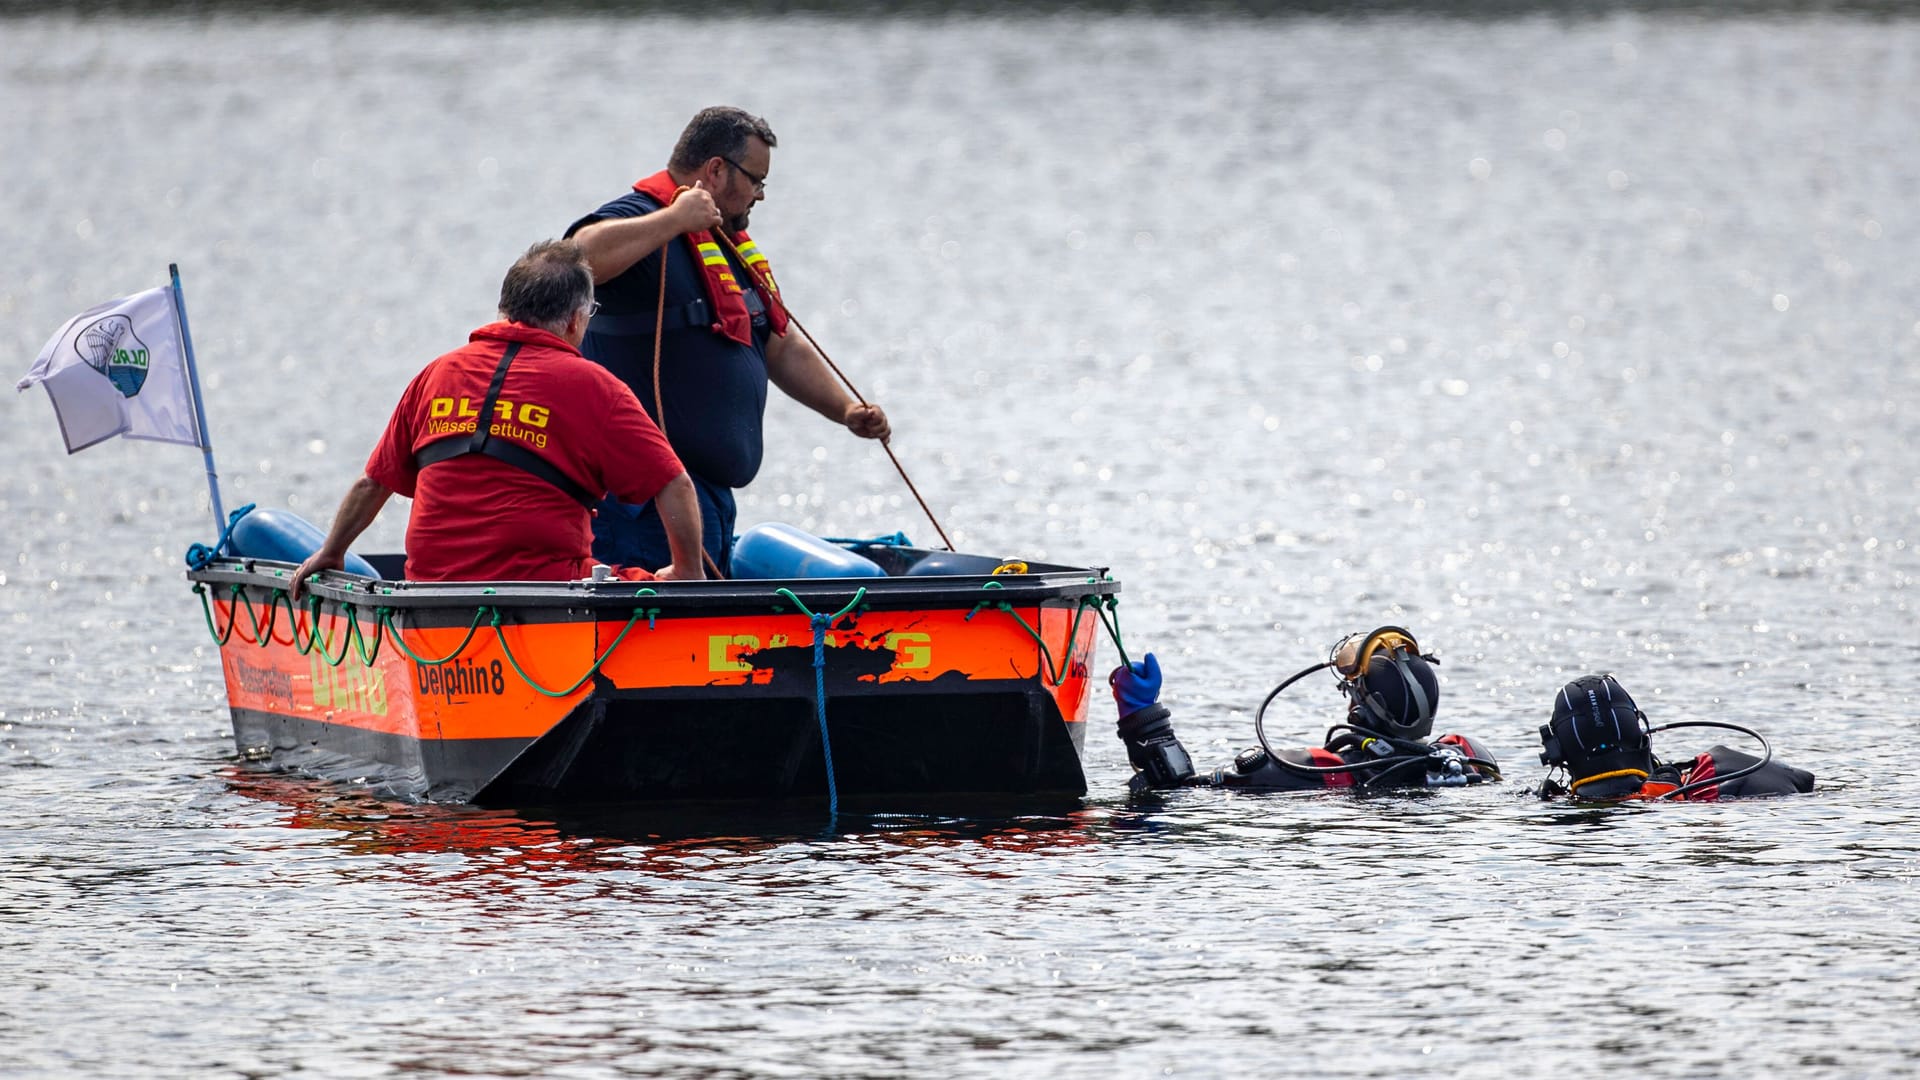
{"x": 506, "y": 429}
{"x": 528, "y": 413}
{"x": 525, "y": 413}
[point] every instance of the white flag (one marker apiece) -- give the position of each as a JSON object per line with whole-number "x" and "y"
{"x": 119, "y": 369}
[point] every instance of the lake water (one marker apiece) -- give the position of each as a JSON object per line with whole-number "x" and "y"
{"x": 1572, "y": 343}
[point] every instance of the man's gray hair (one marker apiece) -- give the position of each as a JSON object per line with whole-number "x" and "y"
{"x": 718, "y": 131}
{"x": 547, "y": 285}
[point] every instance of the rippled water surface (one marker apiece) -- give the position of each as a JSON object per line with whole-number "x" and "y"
{"x": 1571, "y": 344}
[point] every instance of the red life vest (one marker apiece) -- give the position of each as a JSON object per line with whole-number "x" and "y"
{"x": 724, "y": 295}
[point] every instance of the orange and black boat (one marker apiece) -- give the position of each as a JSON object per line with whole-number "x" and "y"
{"x": 935, "y": 676}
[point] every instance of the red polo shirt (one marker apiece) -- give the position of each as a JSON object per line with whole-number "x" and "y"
{"x": 479, "y": 519}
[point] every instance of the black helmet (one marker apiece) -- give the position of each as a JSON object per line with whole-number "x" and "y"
{"x": 1599, "y": 736}
{"x": 1392, "y": 687}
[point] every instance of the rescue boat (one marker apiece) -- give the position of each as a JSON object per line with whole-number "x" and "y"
{"x": 937, "y": 675}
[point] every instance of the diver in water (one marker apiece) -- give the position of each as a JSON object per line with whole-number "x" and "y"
{"x": 1391, "y": 693}
{"x": 1599, "y": 741}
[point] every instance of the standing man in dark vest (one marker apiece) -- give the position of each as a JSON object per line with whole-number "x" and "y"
{"x": 721, "y": 328}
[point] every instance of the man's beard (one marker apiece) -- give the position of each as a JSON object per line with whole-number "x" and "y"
{"x": 738, "y": 222}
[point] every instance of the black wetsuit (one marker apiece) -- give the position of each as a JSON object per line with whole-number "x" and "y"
{"x": 1353, "y": 757}
{"x": 1773, "y": 778}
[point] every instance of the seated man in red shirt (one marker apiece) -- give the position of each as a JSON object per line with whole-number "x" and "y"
{"x": 510, "y": 501}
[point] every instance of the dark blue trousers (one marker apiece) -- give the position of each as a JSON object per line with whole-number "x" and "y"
{"x": 625, "y": 534}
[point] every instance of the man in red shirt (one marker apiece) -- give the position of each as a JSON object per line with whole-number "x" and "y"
{"x": 510, "y": 502}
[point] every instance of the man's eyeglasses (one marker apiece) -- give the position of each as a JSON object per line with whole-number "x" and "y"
{"x": 759, "y": 182}
{"x": 593, "y": 308}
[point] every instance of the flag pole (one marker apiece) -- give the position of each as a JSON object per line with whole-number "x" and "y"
{"x": 199, "y": 407}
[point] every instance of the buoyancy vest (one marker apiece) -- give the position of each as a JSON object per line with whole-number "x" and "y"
{"x": 1773, "y": 778}
{"x": 726, "y": 297}
{"x": 1255, "y": 769}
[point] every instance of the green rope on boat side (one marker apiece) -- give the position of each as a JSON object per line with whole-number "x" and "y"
{"x": 385, "y": 616}
{"x": 240, "y": 600}
{"x": 582, "y": 680}
{"x": 835, "y": 617}
{"x": 1057, "y": 673}
{"x": 1106, "y": 609}
{"x": 352, "y": 638}
{"x": 378, "y": 637}
{"x": 355, "y": 639}
{"x": 206, "y": 608}
{"x": 1112, "y": 604}
{"x": 303, "y": 646}
{"x": 237, "y": 600}
{"x": 279, "y": 598}
{"x": 984, "y": 603}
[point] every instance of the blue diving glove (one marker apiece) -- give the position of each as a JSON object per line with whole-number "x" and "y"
{"x": 1136, "y": 685}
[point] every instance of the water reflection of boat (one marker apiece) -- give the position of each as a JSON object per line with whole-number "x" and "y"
{"x": 545, "y": 693}
{"x": 555, "y": 844}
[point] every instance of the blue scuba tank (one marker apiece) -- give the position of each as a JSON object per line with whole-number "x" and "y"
{"x": 777, "y": 550}
{"x": 284, "y": 536}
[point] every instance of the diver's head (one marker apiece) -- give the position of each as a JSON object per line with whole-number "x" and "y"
{"x": 1391, "y": 687}
{"x": 1600, "y": 737}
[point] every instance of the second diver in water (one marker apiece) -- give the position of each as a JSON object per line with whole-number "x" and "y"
{"x": 1391, "y": 691}
{"x": 1600, "y": 745}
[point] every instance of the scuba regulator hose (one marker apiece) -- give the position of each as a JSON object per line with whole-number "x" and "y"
{"x": 1260, "y": 722}
{"x": 1766, "y": 755}
{"x": 1406, "y": 753}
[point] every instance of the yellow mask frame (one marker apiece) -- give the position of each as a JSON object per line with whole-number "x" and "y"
{"x": 1351, "y": 654}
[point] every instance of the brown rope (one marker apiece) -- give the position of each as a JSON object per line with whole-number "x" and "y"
{"x": 773, "y": 294}
{"x": 659, "y": 321}
{"x": 659, "y": 403}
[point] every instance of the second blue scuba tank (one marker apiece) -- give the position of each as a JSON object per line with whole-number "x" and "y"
{"x": 776, "y": 550}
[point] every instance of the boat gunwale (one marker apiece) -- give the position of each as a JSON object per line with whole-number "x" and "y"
{"x": 820, "y": 595}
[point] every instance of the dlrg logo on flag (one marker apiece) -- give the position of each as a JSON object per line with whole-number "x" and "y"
{"x": 120, "y": 369}
{"x": 112, "y": 348}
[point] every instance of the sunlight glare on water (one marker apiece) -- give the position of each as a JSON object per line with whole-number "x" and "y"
{"x": 1572, "y": 344}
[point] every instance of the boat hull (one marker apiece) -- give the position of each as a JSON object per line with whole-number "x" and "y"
{"x": 541, "y": 694}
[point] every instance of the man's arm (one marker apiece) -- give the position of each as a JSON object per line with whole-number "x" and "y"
{"x": 357, "y": 511}
{"x": 613, "y": 245}
{"x": 802, "y": 374}
{"x": 680, "y": 514}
